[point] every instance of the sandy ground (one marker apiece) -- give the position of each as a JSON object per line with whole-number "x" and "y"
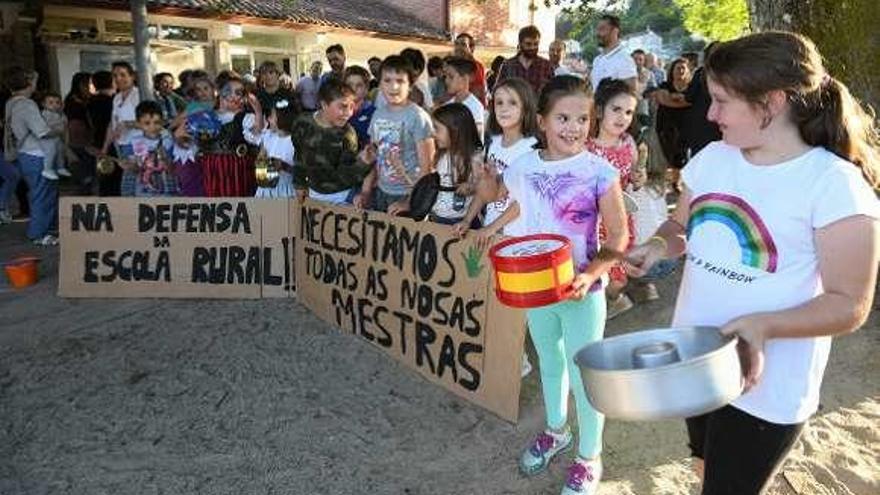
{"x": 259, "y": 397}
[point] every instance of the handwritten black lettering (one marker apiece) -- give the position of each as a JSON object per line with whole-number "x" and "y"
{"x": 91, "y": 218}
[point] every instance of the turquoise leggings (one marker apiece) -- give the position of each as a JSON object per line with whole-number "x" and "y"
{"x": 558, "y": 332}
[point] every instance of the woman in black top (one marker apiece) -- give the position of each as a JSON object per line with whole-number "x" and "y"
{"x": 100, "y": 110}
{"x": 671, "y": 120}
{"x": 80, "y": 130}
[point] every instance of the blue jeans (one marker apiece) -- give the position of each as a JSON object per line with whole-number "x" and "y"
{"x": 10, "y": 176}
{"x": 42, "y": 197}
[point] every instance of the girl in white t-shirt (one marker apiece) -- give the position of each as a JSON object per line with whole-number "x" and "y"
{"x": 458, "y": 143}
{"x": 564, "y": 189}
{"x": 275, "y": 141}
{"x": 779, "y": 224}
{"x": 512, "y": 125}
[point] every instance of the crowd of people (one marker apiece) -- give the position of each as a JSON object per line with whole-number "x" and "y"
{"x": 530, "y": 148}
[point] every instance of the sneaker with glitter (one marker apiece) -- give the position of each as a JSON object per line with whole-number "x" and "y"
{"x": 537, "y": 457}
{"x": 583, "y": 477}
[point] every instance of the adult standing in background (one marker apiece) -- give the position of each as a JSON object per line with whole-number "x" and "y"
{"x": 9, "y": 174}
{"x": 527, "y": 64}
{"x": 307, "y": 87}
{"x": 25, "y": 127}
{"x": 271, "y": 91}
{"x": 172, "y": 104}
{"x": 99, "y": 110}
{"x": 644, "y": 82}
{"x": 374, "y": 63}
{"x": 80, "y": 132}
{"x": 653, "y": 64}
{"x": 672, "y": 112}
{"x": 336, "y": 59}
{"x": 614, "y": 61}
{"x": 122, "y": 125}
{"x": 698, "y": 130}
{"x": 184, "y": 79}
{"x": 464, "y": 47}
{"x": 556, "y": 53}
{"x": 436, "y": 82}
{"x": 417, "y": 60}
{"x": 494, "y": 69}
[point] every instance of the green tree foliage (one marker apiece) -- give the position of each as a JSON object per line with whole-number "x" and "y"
{"x": 664, "y": 17}
{"x": 715, "y": 19}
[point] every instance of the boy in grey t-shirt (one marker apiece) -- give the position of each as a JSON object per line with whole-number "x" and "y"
{"x": 401, "y": 134}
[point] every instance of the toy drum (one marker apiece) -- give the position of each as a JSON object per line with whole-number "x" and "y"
{"x": 533, "y": 271}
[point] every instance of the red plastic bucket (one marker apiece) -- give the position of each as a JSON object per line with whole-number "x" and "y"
{"x": 533, "y": 271}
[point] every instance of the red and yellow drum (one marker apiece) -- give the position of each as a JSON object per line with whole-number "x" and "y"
{"x": 533, "y": 271}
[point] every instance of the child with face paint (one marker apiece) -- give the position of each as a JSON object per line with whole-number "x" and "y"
{"x": 564, "y": 189}
{"x": 227, "y": 160}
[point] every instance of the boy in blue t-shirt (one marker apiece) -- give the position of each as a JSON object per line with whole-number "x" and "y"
{"x": 358, "y": 79}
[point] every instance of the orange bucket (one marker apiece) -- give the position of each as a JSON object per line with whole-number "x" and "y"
{"x": 22, "y": 271}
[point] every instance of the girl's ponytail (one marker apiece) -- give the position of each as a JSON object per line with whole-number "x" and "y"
{"x": 832, "y": 118}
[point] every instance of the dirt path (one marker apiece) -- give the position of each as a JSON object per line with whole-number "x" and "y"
{"x": 260, "y": 397}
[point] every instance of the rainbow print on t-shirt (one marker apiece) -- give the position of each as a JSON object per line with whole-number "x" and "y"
{"x": 757, "y": 246}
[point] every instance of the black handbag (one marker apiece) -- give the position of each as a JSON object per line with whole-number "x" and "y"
{"x": 424, "y": 195}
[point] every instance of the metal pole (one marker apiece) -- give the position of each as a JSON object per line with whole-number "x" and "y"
{"x": 142, "y": 48}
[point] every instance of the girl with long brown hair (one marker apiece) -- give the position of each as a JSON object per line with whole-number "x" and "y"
{"x": 779, "y": 224}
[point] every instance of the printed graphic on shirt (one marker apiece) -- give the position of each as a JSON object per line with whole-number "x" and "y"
{"x": 388, "y": 136}
{"x": 153, "y": 165}
{"x": 757, "y": 249}
{"x": 574, "y": 205}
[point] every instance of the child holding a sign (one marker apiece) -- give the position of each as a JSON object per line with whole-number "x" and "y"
{"x": 227, "y": 160}
{"x": 327, "y": 167}
{"x": 513, "y": 126}
{"x": 402, "y": 142}
{"x": 564, "y": 189}
{"x": 458, "y": 145}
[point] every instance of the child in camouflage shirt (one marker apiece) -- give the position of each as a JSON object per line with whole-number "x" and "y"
{"x": 326, "y": 162}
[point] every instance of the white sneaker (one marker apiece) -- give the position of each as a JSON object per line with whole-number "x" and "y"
{"x": 50, "y": 174}
{"x": 619, "y": 306}
{"x": 46, "y": 240}
{"x": 5, "y": 217}
{"x": 583, "y": 477}
{"x": 63, "y": 172}
{"x": 526, "y": 365}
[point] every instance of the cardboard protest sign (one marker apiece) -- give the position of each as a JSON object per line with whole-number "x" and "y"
{"x": 175, "y": 247}
{"x": 417, "y": 292}
{"x": 412, "y": 289}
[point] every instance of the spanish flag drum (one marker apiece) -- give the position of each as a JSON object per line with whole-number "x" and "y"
{"x": 533, "y": 271}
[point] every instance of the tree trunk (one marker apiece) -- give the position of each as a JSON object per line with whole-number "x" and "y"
{"x": 846, "y": 32}
{"x": 142, "y": 48}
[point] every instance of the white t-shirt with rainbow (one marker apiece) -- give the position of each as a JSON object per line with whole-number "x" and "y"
{"x": 751, "y": 249}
